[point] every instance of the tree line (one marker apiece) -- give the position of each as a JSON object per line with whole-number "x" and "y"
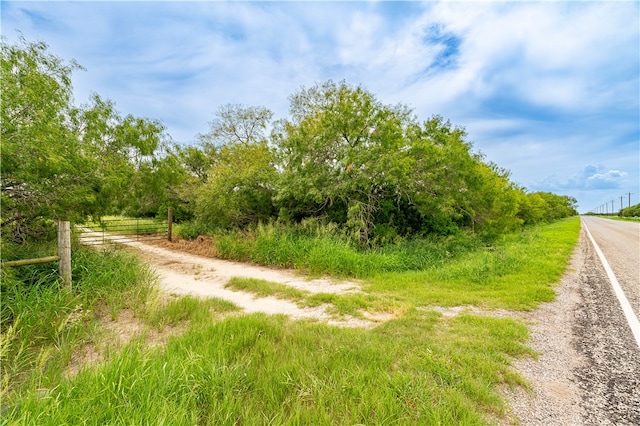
{"x": 341, "y": 157}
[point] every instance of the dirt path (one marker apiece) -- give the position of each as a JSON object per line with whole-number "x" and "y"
{"x": 184, "y": 273}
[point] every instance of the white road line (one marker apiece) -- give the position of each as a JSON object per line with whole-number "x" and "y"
{"x": 634, "y": 324}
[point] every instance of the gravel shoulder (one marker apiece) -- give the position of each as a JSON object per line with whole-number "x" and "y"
{"x": 554, "y": 395}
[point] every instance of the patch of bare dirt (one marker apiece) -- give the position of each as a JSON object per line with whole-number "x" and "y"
{"x": 116, "y": 333}
{"x": 188, "y": 267}
{"x": 201, "y": 246}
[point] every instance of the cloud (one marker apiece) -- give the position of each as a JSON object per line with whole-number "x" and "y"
{"x": 607, "y": 180}
{"x": 591, "y": 178}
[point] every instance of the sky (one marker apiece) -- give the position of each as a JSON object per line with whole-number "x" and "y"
{"x": 547, "y": 90}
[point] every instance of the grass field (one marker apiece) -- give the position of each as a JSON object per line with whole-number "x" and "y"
{"x": 223, "y": 368}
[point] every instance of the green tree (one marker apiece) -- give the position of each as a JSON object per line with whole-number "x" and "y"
{"x": 237, "y": 189}
{"x": 65, "y": 162}
{"x": 235, "y": 123}
{"x": 340, "y": 156}
{"x": 45, "y": 173}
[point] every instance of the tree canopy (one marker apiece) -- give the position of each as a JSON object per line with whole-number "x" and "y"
{"x": 342, "y": 156}
{"x": 60, "y": 161}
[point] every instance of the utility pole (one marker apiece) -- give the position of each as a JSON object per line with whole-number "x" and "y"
{"x": 629, "y": 194}
{"x": 612, "y": 201}
{"x": 621, "y": 197}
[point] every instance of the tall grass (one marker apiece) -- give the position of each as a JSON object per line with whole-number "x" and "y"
{"x": 422, "y": 369}
{"x": 321, "y": 249}
{"x": 518, "y": 272}
{"x": 43, "y": 322}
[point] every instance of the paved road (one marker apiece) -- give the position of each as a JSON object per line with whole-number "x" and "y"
{"x": 609, "y": 378}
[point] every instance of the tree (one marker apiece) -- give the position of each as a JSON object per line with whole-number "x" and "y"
{"x": 65, "y": 162}
{"x": 235, "y": 123}
{"x": 45, "y": 173}
{"x": 237, "y": 188}
{"x": 340, "y": 156}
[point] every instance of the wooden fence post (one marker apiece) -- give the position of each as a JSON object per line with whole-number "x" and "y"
{"x": 169, "y": 223}
{"x": 64, "y": 252}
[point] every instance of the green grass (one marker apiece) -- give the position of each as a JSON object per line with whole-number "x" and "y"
{"x": 224, "y": 368}
{"x": 323, "y": 251}
{"x": 42, "y": 322}
{"x": 263, "y": 288}
{"x": 422, "y": 369}
{"x": 518, "y": 272}
{"x": 351, "y": 304}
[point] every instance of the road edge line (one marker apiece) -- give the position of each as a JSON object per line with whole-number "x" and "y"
{"x": 632, "y": 319}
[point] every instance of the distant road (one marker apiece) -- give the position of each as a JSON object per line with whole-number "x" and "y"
{"x": 609, "y": 377}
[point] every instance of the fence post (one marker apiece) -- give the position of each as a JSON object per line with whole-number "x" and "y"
{"x": 64, "y": 252}
{"x": 169, "y": 223}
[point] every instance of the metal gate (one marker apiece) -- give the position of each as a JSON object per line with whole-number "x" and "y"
{"x": 123, "y": 231}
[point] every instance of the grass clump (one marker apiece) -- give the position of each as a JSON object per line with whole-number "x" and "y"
{"x": 187, "y": 309}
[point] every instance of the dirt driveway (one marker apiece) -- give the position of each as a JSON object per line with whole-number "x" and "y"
{"x": 183, "y": 273}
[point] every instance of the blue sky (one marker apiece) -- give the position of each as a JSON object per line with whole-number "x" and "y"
{"x": 547, "y": 90}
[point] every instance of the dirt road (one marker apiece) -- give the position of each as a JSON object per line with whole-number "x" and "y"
{"x": 184, "y": 273}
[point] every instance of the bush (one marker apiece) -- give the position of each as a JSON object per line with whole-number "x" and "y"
{"x": 633, "y": 211}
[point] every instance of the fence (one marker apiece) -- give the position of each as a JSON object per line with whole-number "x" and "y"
{"x": 63, "y": 257}
{"x": 109, "y": 231}
{"x": 124, "y": 231}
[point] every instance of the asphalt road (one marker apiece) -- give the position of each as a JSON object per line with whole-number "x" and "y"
{"x": 609, "y": 377}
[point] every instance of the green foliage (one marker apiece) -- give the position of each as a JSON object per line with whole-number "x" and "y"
{"x": 324, "y": 249}
{"x": 65, "y": 162}
{"x": 340, "y": 156}
{"x": 237, "y": 188}
{"x": 378, "y": 173}
{"x": 238, "y": 191}
{"x": 633, "y": 211}
{"x": 45, "y": 171}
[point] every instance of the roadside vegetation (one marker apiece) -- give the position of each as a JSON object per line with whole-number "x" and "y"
{"x": 420, "y": 367}
{"x": 346, "y": 187}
